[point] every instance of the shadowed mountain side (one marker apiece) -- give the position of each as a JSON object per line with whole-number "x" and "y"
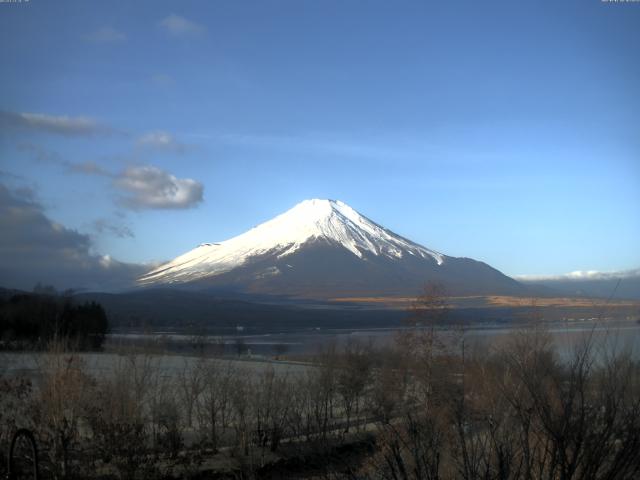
{"x": 323, "y": 269}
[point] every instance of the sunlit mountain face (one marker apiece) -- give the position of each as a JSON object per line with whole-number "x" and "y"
{"x": 325, "y": 248}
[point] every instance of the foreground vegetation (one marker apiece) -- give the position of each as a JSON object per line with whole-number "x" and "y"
{"x": 427, "y": 407}
{"x": 418, "y": 410}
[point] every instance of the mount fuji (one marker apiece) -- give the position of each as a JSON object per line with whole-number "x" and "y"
{"x": 326, "y": 249}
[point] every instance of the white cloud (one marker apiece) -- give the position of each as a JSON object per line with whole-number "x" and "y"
{"x": 140, "y": 187}
{"x": 44, "y": 155}
{"x": 61, "y": 125}
{"x": 148, "y": 187}
{"x": 104, "y": 226}
{"x": 106, "y": 35}
{"x": 376, "y": 148}
{"x": 87, "y": 168}
{"x": 580, "y": 275}
{"x": 180, "y": 26}
{"x": 160, "y": 140}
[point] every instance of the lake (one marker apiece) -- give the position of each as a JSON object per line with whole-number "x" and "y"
{"x": 618, "y": 335}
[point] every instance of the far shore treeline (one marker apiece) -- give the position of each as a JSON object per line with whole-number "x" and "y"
{"x": 33, "y": 320}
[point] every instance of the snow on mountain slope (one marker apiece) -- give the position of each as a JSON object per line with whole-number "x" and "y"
{"x": 311, "y": 220}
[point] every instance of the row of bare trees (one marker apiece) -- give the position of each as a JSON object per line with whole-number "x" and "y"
{"x": 515, "y": 412}
{"x": 135, "y": 415}
{"x": 431, "y": 406}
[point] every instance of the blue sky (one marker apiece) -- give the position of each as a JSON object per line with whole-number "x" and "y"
{"x": 508, "y": 132}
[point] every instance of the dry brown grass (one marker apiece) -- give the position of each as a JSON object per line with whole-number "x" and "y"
{"x": 507, "y": 301}
{"x": 493, "y": 301}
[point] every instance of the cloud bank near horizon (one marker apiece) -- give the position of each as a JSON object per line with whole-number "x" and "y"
{"x": 35, "y": 249}
{"x": 581, "y": 275}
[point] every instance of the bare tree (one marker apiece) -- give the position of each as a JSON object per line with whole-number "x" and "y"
{"x": 119, "y": 417}
{"x": 190, "y": 384}
{"x": 214, "y": 403}
{"x": 240, "y": 401}
{"x": 352, "y": 378}
{"x": 59, "y": 407}
{"x": 280, "y": 349}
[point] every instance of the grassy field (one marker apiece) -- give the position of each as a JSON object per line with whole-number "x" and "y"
{"x": 495, "y": 300}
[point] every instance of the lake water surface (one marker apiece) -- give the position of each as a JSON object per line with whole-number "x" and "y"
{"x": 616, "y": 336}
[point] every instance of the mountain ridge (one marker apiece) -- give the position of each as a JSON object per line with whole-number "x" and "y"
{"x": 326, "y": 248}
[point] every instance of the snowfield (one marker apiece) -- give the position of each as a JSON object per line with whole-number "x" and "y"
{"x": 308, "y": 221}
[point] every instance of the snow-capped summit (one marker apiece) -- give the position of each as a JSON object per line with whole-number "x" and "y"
{"x": 315, "y": 245}
{"x": 329, "y": 220}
